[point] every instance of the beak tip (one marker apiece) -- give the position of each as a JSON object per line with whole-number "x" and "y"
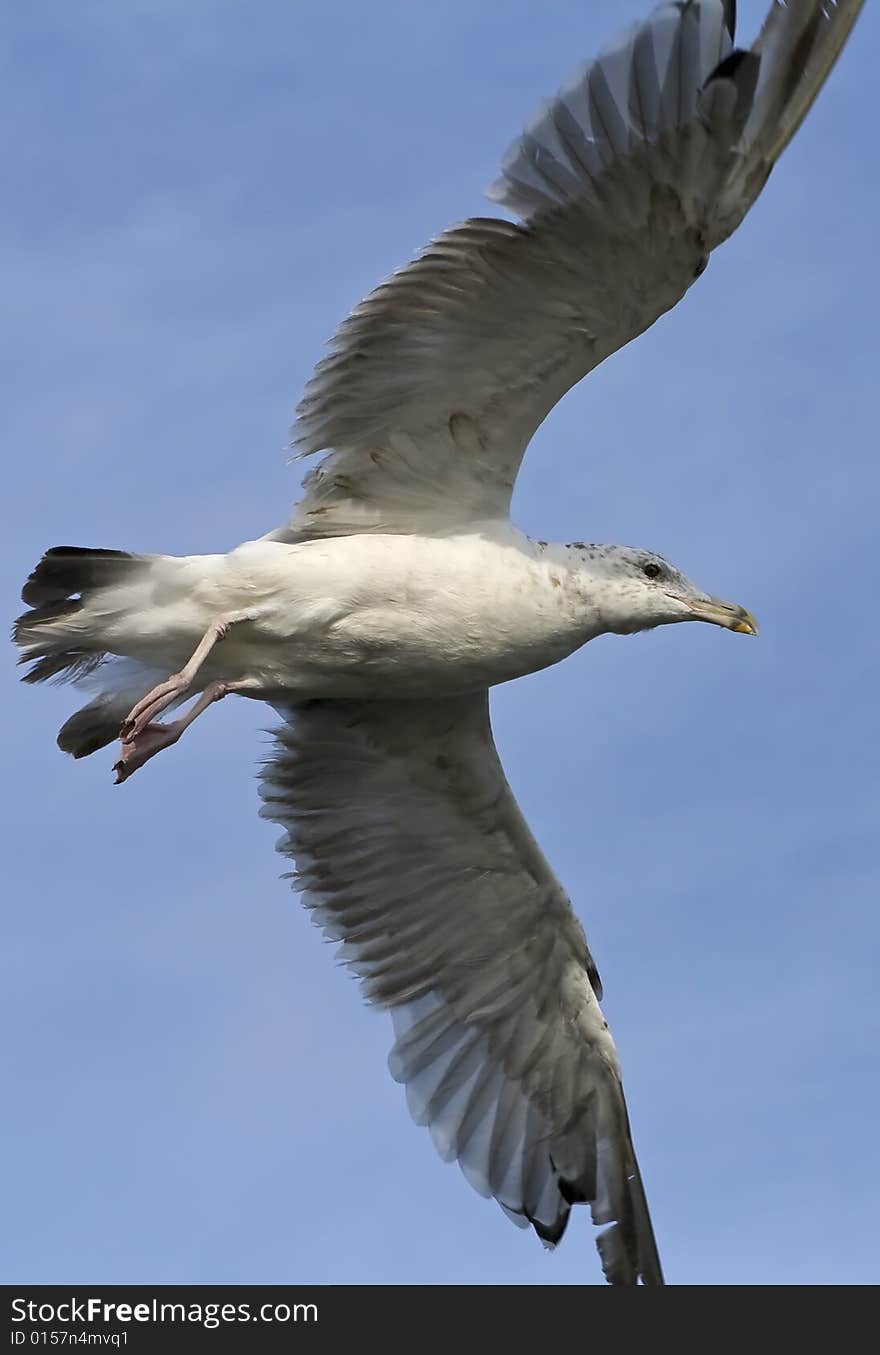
{"x": 730, "y": 615}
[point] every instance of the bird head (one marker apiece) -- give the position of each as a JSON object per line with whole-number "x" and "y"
{"x": 636, "y": 590}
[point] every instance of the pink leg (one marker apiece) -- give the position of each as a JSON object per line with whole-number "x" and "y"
{"x": 140, "y": 745}
{"x": 168, "y": 691}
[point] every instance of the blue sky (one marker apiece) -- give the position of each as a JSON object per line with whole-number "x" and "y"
{"x": 195, "y": 195}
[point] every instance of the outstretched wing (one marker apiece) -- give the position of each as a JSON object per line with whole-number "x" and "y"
{"x": 411, "y": 850}
{"x": 624, "y": 183}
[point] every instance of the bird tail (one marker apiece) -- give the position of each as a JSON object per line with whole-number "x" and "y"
{"x": 60, "y": 635}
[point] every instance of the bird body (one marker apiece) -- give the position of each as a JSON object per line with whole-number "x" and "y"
{"x": 372, "y": 615}
{"x": 398, "y": 592}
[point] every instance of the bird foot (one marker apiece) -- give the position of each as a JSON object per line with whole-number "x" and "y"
{"x": 149, "y": 707}
{"x": 138, "y": 748}
{"x": 142, "y": 740}
{"x": 141, "y": 716}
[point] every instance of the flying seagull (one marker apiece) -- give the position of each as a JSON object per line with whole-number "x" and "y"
{"x": 378, "y": 617}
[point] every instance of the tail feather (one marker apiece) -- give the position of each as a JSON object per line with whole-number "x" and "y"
{"x": 56, "y": 639}
{"x": 47, "y": 633}
{"x": 66, "y": 571}
{"x": 65, "y": 664}
{"x": 95, "y": 725}
{"x": 26, "y": 635}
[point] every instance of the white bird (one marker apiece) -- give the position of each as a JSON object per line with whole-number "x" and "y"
{"x": 399, "y": 592}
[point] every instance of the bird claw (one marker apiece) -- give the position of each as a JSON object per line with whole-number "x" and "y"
{"x": 140, "y": 747}
{"x": 141, "y": 716}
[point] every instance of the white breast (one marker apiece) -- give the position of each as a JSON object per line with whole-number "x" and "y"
{"x": 403, "y": 616}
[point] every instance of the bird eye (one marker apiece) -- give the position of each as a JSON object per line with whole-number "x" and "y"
{"x": 651, "y": 570}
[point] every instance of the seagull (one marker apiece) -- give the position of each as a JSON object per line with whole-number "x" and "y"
{"x": 376, "y": 620}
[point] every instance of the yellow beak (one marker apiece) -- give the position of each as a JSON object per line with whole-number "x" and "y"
{"x": 720, "y": 613}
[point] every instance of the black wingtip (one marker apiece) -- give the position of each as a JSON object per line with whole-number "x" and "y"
{"x": 741, "y": 68}
{"x": 550, "y": 1234}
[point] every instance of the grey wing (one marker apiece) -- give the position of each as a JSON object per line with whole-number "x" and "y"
{"x": 410, "y": 849}
{"x": 624, "y": 183}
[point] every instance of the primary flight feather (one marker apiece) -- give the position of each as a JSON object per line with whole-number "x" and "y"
{"x": 377, "y": 618}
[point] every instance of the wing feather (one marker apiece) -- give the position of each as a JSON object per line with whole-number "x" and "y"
{"x": 410, "y": 849}
{"x": 624, "y": 182}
